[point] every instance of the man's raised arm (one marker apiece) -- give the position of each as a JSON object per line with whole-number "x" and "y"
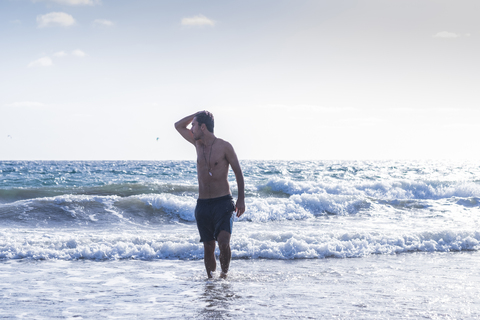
{"x": 181, "y": 126}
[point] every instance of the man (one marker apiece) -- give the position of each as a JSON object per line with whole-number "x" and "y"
{"x": 215, "y": 205}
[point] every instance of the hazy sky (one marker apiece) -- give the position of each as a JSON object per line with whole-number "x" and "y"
{"x": 337, "y": 79}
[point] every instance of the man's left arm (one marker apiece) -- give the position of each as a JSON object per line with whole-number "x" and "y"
{"x": 233, "y": 160}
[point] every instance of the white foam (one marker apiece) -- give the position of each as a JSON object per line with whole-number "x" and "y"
{"x": 350, "y": 245}
{"x": 273, "y": 209}
{"x": 386, "y": 189}
{"x": 302, "y": 206}
{"x": 104, "y": 247}
{"x": 183, "y": 206}
{"x": 254, "y": 245}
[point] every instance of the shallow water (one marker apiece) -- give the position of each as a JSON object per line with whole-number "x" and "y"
{"x": 403, "y": 286}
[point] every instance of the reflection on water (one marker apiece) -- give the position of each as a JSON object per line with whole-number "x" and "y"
{"x": 219, "y": 298}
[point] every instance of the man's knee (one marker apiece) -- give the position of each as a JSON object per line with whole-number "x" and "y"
{"x": 223, "y": 240}
{"x": 209, "y": 246}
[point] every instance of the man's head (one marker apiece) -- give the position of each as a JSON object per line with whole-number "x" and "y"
{"x": 206, "y": 118}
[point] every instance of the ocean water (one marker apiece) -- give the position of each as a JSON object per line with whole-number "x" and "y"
{"x": 319, "y": 239}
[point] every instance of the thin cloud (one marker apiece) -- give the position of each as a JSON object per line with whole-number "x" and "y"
{"x": 324, "y": 110}
{"x": 364, "y": 122}
{"x": 73, "y": 2}
{"x": 446, "y": 35}
{"x": 308, "y": 108}
{"x": 59, "y": 54}
{"x": 460, "y": 126}
{"x": 103, "y": 22}
{"x": 431, "y": 111}
{"x": 78, "y": 53}
{"x": 55, "y": 18}
{"x": 42, "y": 62}
{"x": 198, "y": 21}
{"x": 82, "y": 115}
{"x": 26, "y": 104}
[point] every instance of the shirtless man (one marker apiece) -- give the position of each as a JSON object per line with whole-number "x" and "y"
{"x": 215, "y": 205}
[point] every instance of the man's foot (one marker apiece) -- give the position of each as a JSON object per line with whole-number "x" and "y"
{"x": 223, "y": 275}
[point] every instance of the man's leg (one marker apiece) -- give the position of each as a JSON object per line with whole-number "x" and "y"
{"x": 209, "y": 257}
{"x": 225, "y": 252}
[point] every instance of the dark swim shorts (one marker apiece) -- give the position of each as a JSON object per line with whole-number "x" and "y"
{"x": 214, "y": 215}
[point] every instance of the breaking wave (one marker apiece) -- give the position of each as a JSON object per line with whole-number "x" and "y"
{"x": 263, "y": 245}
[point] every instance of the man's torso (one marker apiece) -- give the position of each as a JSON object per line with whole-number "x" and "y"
{"x": 212, "y": 170}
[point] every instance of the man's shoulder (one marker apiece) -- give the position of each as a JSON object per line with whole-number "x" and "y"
{"x": 220, "y": 140}
{"x": 224, "y": 143}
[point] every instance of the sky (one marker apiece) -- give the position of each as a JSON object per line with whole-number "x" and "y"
{"x": 285, "y": 80}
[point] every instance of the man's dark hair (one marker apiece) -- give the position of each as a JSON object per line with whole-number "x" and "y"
{"x": 207, "y": 118}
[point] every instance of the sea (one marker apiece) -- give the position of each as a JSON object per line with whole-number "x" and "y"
{"x": 318, "y": 240}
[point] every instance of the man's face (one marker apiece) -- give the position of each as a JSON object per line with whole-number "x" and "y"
{"x": 196, "y": 131}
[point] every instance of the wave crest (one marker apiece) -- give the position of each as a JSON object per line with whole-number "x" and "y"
{"x": 395, "y": 189}
{"x": 264, "y": 245}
